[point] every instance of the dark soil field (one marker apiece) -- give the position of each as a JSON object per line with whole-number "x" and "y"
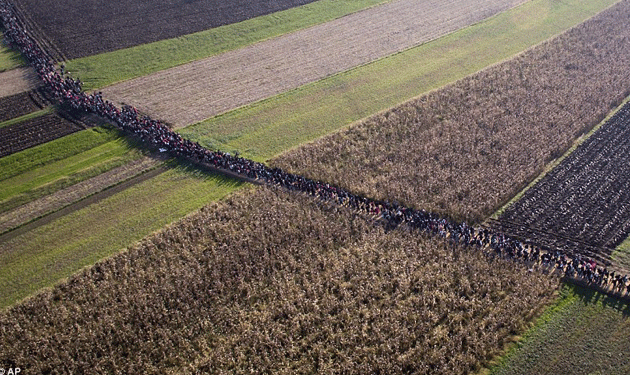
{"x": 21, "y": 104}
{"x": 33, "y": 132}
{"x": 583, "y": 204}
{"x": 90, "y": 27}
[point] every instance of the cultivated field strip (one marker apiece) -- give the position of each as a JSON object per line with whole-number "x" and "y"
{"x": 36, "y": 131}
{"x": 193, "y": 92}
{"x": 586, "y": 197}
{"x": 17, "y": 80}
{"x": 299, "y": 285}
{"x": 21, "y": 104}
{"x": 466, "y": 149}
{"x": 62, "y": 198}
{"x": 93, "y": 26}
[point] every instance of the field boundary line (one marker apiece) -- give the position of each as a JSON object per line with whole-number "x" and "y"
{"x": 82, "y": 203}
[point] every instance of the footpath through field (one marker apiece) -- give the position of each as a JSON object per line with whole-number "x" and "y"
{"x": 193, "y": 92}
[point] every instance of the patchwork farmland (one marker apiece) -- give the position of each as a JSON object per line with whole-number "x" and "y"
{"x": 211, "y": 86}
{"x": 234, "y": 255}
{"x": 466, "y": 149}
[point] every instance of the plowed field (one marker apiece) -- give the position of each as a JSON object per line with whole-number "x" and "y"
{"x": 20, "y": 104}
{"x": 34, "y": 132}
{"x": 192, "y": 92}
{"x": 583, "y": 204}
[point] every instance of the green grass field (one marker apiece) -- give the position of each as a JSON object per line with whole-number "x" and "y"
{"x": 49, "y": 177}
{"x": 108, "y": 68}
{"x": 269, "y": 127}
{"x": 584, "y": 332}
{"x": 59, "y": 149}
{"x": 9, "y": 59}
{"x": 47, "y": 254}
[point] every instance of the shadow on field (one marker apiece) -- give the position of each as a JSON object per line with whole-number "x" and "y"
{"x": 591, "y": 296}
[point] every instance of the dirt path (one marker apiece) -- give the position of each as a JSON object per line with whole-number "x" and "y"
{"x": 196, "y": 91}
{"x": 74, "y": 196}
{"x": 18, "y": 80}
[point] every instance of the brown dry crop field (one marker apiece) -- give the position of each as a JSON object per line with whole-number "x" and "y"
{"x": 466, "y": 149}
{"x": 277, "y": 282}
{"x": 17, "y": 80}
{"x": 196, "y": 91}
{"x": 93, "y": 26}
{"x": 72, "y": 194}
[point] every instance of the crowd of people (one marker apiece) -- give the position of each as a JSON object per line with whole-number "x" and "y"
{"x": 69, "y": 91}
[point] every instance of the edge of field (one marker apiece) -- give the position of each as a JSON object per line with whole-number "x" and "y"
{"x": 581, "y": 318}
{"x": 108, "y": 68}
{"x": 9, "y": 59}
{"x": 47, "y": 254}
{"x": 271, "y": 126}
{"x": 555, "y": 162}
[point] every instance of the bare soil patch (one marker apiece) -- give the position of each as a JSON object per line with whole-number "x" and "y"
{"x": 74, "y": 193}
{"x": 21, "y": 104}
{"x": 93, "y": 26}
{"x": 16, "y": 81}
{"x": 190, "y": 93}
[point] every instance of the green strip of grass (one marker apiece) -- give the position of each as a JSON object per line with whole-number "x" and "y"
{"x": 269, "y": 127}
{"x": 621, "y": 255}
{"x": 60, "y": 174}
{"x": 584, "y": 332}
{"x": 59, "y": 149}
{"x": 45, "y": 255}
{"x": 108, "y": 68}
{"x": 27, "y": 117}
{"x": 9, "y": 59}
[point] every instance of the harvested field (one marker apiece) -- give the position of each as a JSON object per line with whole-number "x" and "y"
{"x": 20, "y": 104}
{"x": 277, "y": 282}
{"x": 583, "y": 204}
{"x": 193, "y": 92}
{"x": 35, "y": 132}
{"x": 62, "y": 198}
{"x": 464, "y": 150}
{"x": 16, "y": 81}
{"x": 93, "y": 26}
